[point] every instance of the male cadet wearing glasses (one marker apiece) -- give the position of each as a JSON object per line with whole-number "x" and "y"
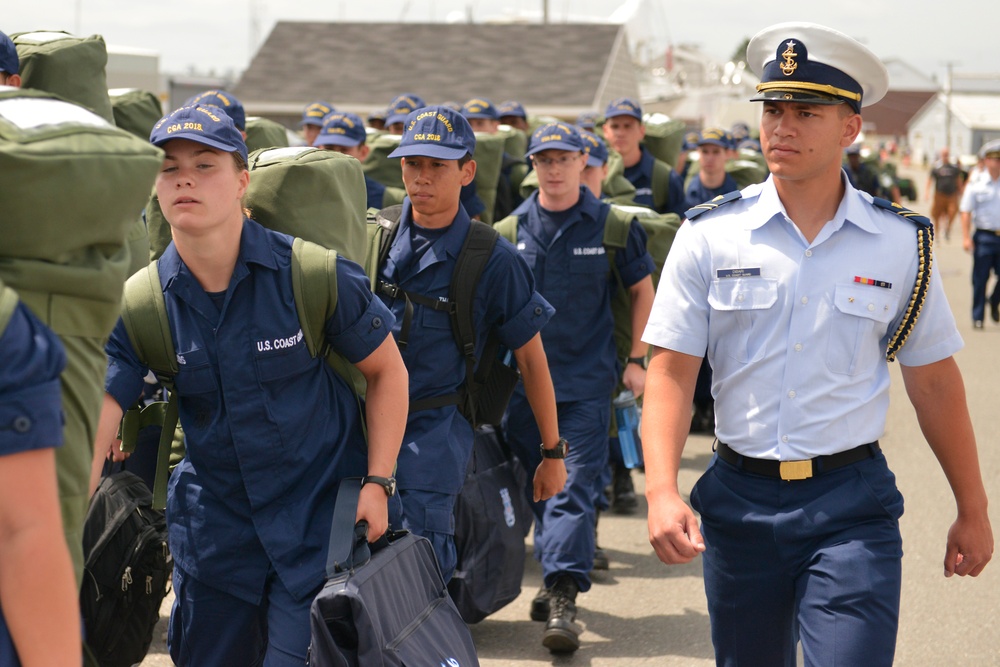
{"x": 560, "y": 232}
{"x": 800, "y": 288}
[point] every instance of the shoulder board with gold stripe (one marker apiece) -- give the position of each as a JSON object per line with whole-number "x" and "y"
{"x": 713, "y": 204}
{"x": 901, "y": 211}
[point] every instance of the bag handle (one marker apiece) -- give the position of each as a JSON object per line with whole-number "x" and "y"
{"x": 348, "y": 541}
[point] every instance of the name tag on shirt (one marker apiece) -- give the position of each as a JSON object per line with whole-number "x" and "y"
{"x": 738, "y": 273}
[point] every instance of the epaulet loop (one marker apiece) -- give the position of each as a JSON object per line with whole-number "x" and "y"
{"x": 713, "y": 204}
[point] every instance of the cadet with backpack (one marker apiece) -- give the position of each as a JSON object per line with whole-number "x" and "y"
{"x": 562, "y": 233}
{"x": 449, "y": 279}
{"x": 270, "y": 428}
{"x": 656, "y": 183}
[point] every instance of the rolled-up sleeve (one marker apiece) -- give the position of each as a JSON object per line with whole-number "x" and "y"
{"x": 360, "y": 322}
{"x": 124, "y": 379}
{"x": 30, "y": 398}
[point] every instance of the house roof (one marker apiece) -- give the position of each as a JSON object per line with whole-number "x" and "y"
{"x": 891, "y": 115}
{"x": 555, "y": 68}
{"x": 977, "y": 112}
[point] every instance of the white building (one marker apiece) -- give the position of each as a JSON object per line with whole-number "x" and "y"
{"x": 973, "y": 119}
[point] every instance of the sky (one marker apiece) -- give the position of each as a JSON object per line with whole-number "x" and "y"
{"x": 221, "y": 37}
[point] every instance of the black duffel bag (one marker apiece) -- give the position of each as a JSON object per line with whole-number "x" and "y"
{"x": 492, "y": 518}
{"x": 383, "y": 604}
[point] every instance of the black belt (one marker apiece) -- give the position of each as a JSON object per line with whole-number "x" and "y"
{"x": 992, "y": 232}
{"x": 792, "y": 470}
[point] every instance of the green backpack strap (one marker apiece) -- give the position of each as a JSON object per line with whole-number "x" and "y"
{"x": 314, "y": 288}
{"x": 616, "y": 229}
{"x": 661, "y": 184}
{"x": 8, "y": 302}
{"x": 144, "y": 314}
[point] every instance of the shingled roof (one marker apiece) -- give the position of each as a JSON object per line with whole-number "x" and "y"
{"x": 560, "y": 69}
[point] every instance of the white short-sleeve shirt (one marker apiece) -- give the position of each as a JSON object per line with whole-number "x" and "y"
{"x": 796, "y": 332}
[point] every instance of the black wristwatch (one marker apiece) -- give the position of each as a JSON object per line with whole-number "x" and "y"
{"x": 557, "y": 452}
{"x": 387, "y": 483}
{"x": 639, "y": 361}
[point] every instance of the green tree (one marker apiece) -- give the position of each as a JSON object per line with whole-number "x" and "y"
{"x": 740, "y": 54}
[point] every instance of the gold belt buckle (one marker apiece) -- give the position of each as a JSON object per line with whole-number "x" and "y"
{"x": 793, "y": 470}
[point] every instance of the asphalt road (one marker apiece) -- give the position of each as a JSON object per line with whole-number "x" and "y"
{"x": 641, "y": 612}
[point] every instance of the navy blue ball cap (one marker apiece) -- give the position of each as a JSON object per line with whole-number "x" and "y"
{"x": 204, "y": 124}
{"x": 511, "y": 108}
{"x": 9, "y": 62}
{"x": 402, "y": 106}
{"x": 623, "y": 106}
{"x": 555, "y": 136}
{"x": 225, "y": 101}
{"x": 479, "y": 107}
{"x": 587, "y": 120}
{"x": 806, "y": 62}
{"x": 597, "y": 151}
{"x": 437, "y": 132}
{"x": 713, "y": 136}
{"x": 342, "y": 129}
{"x": 315, "y": 113}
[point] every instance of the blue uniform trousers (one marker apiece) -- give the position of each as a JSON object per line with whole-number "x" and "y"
{"x": 432, "y": 515}
{"x": 564, "y": 524}
{"x": 210, "y": 627}
{"x": 986, "y": 259}
{"x": 815, "y": 560}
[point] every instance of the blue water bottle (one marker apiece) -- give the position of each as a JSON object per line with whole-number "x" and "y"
{"x": 627, "y": 418}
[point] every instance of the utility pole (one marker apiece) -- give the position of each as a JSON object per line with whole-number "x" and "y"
{"x": 545, "y": 12}
{"x": 947, "y": 106}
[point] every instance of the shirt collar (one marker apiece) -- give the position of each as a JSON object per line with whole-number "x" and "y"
{"x": 853, "y": 208}
{"x": 254, "y": 247}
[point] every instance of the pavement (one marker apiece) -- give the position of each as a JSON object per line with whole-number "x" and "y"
{"x": 642, "y": 613}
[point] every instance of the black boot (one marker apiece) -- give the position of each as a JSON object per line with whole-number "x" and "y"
{"x": 562, "y": 635}
{"x": 623, "y": 499}
{"x": 540, "y": 605}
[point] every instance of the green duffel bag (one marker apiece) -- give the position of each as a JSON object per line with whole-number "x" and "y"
{"x": 664, "y": 137}
{"x": 265, "y": 133}
{"x": 135, "y": 110}
{"x": 515, "y": 141}
{"x": 72, "y": 67}
{"x": 489, "y": 162}
{"x": 378, "y": 166}
{"x": 328, "y": 189}
{"x": 73, "y": 187}
{"x": 746, "y": 172}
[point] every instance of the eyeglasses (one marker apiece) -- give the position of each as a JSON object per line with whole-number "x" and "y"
{"x": 561, "y": 161}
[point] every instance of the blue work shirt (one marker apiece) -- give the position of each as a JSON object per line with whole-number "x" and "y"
{"x": 270, "y": 431}
{"x": 797, "y": 331}
{"x": 438, "y": 442}
{"x": 30, "y": 404}
{"x": 697, "y": 193}
{"x": 641, "y": 176}
{"x": 573, "y": 274}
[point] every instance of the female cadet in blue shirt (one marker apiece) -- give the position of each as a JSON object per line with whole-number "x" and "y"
{"x": 270, "y": 430}
{"x": 39, "y": 612}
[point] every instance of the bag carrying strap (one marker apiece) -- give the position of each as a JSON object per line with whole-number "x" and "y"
{"x": 660, "y": 182}
{"x": 144, "y": 314}
{"x": 348, "y": 540}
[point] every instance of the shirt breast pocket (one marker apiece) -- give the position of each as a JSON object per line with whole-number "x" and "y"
{"x": 587, "y": 274}
{"x": 278, "y": 364}
{"x": 195, "y": 374}
{"x": 860, "y": 319}
{"x": 736, "y": 303}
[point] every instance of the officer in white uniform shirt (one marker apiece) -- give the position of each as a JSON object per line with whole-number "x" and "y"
{"x": 980, "y": 209}
{"x": 800, "y": 288}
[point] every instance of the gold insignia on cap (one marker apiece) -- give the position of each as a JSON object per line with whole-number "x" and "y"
{"x": 789, "y": 66}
